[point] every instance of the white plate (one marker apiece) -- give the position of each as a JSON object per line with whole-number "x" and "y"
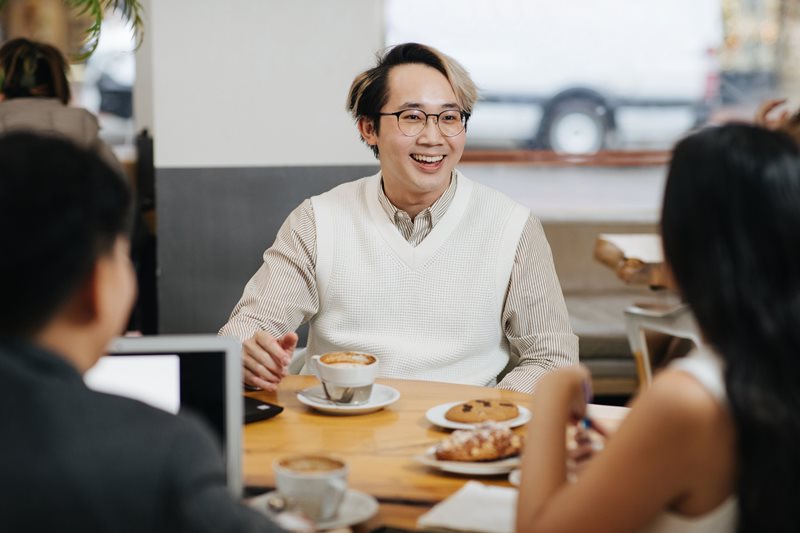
{"x": 515, "y": 477}
{"x": 382, "y": 395}
{"x": 435, "y": 416}
{"x": 356, "y": 507}
{"x": 476, "y": 468}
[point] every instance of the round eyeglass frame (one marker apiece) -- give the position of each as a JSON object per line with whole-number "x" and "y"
{"x": 422, "y": 124}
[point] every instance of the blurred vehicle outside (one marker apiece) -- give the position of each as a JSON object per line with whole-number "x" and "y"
{"x": 576, "y": 77}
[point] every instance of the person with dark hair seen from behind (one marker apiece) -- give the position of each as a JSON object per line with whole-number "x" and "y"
{"x": 35, "y": 96}
{"x": 712, "y": 445}
{"x": 441, "y": 278}
{"x": 74, "y": 459}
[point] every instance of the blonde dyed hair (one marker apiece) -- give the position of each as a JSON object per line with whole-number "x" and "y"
{"x": 370, "y": 89}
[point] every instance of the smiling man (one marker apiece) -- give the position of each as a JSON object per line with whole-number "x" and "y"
{"x": 440, "y": 277}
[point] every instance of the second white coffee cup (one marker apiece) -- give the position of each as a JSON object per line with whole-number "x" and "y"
{"x": 314, "y": 484}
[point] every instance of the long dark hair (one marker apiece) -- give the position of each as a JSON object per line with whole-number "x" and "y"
{"x": 731, "y": 231}
{"x": 31, "y": 69}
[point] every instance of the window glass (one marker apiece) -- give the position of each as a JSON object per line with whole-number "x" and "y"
{"x": 583, "y": 76}
{"x": 105, "y": 81}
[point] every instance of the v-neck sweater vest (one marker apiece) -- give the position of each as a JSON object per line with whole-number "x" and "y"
{"x": 427, "y": 312}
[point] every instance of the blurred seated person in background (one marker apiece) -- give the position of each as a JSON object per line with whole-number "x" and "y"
{"x": 74, "y": 459}
{"x": 442, "y": 278}
{"x": 712, "y": 444}
{"x": 35, "y": 96}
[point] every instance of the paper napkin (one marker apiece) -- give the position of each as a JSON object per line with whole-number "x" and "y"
{"x": 475, "y": 507}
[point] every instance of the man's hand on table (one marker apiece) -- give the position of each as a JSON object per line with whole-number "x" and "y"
{"x": 266, "y": 359}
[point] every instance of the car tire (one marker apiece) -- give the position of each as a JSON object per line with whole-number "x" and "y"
{"x": 577, "y": 126}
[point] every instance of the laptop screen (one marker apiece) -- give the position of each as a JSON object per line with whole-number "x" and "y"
{"x": 154, "y": 380}
{"x": 201, "y": 373}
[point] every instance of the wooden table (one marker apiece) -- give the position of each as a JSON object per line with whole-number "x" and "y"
{"x": 379, "y": 447}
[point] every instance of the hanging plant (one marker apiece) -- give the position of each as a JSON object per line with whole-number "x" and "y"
{"x": 131, "y": 11}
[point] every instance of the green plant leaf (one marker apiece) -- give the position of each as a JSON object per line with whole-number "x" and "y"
{"x": 131, "y": 11}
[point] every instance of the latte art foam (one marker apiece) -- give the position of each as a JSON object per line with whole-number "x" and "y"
{"x": 348, "y": 359}
{"x": 311, "y": 463}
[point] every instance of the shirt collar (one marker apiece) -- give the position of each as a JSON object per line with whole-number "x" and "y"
{"x": 437, "y": 210}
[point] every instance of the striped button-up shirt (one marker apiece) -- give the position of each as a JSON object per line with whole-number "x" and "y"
{"x": 283, "y": 292}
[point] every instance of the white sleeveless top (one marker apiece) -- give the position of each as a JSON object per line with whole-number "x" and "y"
{"x": 431, "y": 311}
{"x": 706, "y": 368}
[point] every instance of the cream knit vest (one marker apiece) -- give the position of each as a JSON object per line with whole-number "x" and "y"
{"x": 429, "y": 312}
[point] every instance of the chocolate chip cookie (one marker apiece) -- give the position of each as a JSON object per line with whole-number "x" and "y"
{"x": 475, "y": 411}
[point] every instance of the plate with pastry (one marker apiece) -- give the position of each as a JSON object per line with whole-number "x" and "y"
{"x": 466, "y": 415}
{"x": 486, "y": 450}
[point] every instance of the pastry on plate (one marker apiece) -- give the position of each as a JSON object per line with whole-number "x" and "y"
{"x": 475, "y": 411}
{"x": 488, "y": 441}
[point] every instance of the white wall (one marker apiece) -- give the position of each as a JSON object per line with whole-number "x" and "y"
{"x": 240, "y": 83}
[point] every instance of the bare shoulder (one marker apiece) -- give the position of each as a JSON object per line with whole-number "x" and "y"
{"x": 675, "y": 416}
{"x": 678, "y": 420}
{"x": 682, "y": 404}
{"x": 697, "y": 437}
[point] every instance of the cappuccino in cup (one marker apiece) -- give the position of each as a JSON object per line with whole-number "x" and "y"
{"x": 348, "y": 359}
{"x": 313, "y": 484}
{"x": 347, "y": 377}
{"x": 311, "y": 463}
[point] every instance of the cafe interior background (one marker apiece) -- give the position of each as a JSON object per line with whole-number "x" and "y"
{"x": 227, "y": 114}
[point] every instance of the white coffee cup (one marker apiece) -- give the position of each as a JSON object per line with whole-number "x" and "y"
{"x": 347, "y": 377}
{"x": 314, "y": 484}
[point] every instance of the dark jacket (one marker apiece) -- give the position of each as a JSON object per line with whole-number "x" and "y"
{"x": 72, "y": 459}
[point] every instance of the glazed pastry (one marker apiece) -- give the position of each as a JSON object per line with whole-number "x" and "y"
{"x": 489, "y": 441}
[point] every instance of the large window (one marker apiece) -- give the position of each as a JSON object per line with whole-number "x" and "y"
{"x": 106, "y": 81}
{"x": 584, "y": 76}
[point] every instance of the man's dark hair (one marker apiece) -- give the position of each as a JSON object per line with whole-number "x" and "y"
{"x": 61, "y": 208}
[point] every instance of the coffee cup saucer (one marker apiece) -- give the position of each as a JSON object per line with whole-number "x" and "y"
{"x": 382, "y": 395}
{"x": 357, "y": 507}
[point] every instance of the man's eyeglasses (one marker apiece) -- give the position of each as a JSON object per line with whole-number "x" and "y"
{"x": 412, "y": 121}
